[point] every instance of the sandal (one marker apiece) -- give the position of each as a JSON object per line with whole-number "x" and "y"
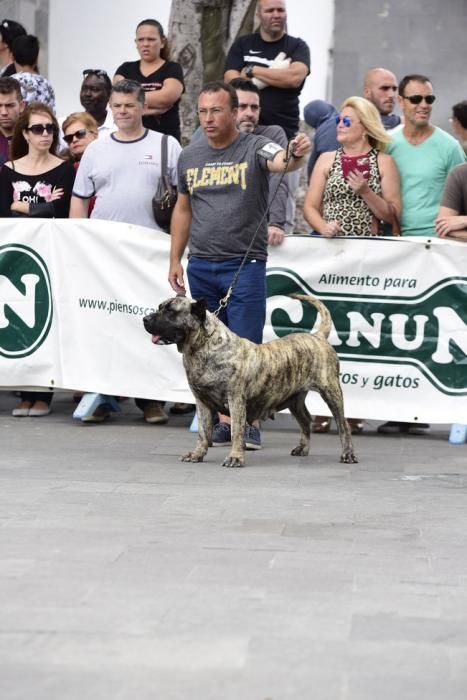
{"x": 321, "y": 424}
{"x": 355, "y": 425}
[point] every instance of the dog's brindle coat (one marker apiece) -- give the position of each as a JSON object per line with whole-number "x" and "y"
{"x": 233, "y": 376}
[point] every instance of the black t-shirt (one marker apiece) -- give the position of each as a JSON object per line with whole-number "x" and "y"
{"x": 278, "y": 105}
{"x": 9, "y": 71}
{"x": 168, "y": 123}
{"x": 37, "y": 189}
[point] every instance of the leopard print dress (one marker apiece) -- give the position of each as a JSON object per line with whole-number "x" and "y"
{"x": 340, "y": 203}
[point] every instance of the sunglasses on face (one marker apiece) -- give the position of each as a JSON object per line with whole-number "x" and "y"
{"x": 80, "y": 134}
{"x": 417, "y": 99}
{"x": 38, "y": 129}
{"x": 346, "y": 121}
{"x": 94, "y": 71}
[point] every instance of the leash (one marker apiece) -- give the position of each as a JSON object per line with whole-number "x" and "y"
{"x": 289, "y": 154}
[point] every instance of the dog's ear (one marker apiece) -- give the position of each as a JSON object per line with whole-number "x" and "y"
{"x": 198, "y": 309}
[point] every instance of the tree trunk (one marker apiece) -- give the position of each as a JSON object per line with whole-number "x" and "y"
{"x": 201, "y": 33}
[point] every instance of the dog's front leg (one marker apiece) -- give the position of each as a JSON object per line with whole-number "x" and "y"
{"x": 204, "y": 434}
{"x": 236, "y": 456}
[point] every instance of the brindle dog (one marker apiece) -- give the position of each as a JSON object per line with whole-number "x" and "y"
{"x": 233, "y": 376}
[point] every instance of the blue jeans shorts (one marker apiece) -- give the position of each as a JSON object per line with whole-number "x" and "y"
{"x": 245, "y": 312}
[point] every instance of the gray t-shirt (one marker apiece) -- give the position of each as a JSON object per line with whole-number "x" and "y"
{"x": 455, "y": 190}
{"x": 228, "y": 189}
{"x": 123, "y": 175}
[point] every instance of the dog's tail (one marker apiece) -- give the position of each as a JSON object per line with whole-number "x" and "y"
{"x": 326, "y": 322}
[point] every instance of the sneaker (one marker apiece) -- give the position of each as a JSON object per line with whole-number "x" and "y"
{"x": 415, "y": 428}
{"x": 252, "y": 438}
{"x": 101, "y": 413}
{"x": 221, "y": 435}
{"x": 180, "y": 409}
{"x": 154, "y": 413}
{"x": 392, "y": 427}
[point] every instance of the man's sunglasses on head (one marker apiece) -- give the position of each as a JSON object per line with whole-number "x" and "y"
{"x": 94, "y": 71}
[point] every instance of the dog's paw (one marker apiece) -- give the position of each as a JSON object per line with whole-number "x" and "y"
{"x": 348, "y": 457}
{"x": 192, "y": 457}
{"x": 300, "y": 451}
{"x": 232, "y": 461}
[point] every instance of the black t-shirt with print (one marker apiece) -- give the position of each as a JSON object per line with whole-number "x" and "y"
{"x": 37, "y": 189}
{"x": 278, "y": 105}
{"x": 169, "y": 122}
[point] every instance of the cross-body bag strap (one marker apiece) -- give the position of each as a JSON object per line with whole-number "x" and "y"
{"x": 164, "y": 158}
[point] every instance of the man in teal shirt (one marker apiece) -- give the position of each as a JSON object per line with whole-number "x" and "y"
{"x": 424, "y": 155}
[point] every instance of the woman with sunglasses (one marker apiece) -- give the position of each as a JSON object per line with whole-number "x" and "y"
{"x": 79, "y": 129}
{"x": 160, "y": 78}
{"x": 35, "y": 182}
{"x": 354, "y": 190}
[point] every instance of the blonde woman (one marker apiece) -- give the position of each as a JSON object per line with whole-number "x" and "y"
{"x": 354, "y": 190}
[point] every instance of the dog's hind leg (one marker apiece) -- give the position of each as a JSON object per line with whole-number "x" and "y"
{"x": 205, "y": 423}
{"x": 300, "y": 412}
{"x": 332, "y": 395}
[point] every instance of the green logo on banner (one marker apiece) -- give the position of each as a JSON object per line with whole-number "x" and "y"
{"x": 25, "y": 301}
{"x": 427, "y": 331}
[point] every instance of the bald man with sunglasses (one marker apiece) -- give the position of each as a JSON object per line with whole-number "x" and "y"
{"x": 424, "y": 155}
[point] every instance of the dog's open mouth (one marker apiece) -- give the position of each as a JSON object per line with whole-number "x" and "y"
{"x": 159, "y": 340}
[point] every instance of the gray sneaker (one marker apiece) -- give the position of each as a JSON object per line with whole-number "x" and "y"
{"x": 412, "y": 428}
{"x": 101, "y": 413}
{"x": 392, "y": 427}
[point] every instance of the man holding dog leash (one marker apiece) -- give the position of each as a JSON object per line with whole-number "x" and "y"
{"x": 221, "y": 212}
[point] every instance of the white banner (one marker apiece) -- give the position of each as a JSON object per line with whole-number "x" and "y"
{"x": 73, "y": 295}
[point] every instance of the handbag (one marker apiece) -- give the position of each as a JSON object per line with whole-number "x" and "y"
{"x": 163, "y": 202}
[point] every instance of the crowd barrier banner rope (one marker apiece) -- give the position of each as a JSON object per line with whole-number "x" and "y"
{"x": 73, "y": 294}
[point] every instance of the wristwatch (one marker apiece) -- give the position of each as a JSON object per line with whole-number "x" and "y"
{"x": 249, "y": 71}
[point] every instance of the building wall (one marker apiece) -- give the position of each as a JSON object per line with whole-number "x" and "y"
{"x": 421, "y": 36}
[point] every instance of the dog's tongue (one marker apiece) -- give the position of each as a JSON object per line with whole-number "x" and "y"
{"x": 155, "y": 339}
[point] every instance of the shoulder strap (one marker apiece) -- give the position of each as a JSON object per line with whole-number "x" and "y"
{"x": 164, "y": 172}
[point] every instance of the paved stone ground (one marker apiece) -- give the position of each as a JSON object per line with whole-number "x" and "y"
{"x": 127, "y": 575}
